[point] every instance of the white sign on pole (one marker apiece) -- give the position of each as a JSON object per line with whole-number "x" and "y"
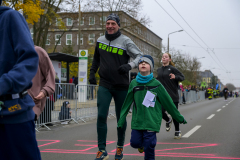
{"x": 82, "y": 75}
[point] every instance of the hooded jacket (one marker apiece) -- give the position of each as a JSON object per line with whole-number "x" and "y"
{"x": 110, "y": 55}
{"x": 171, "y": 85}
{"x": 18, "y": 66}
{"x": 148, "y": 118}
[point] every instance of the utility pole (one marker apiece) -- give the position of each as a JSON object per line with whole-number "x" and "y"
{"x": 79, "y": 27}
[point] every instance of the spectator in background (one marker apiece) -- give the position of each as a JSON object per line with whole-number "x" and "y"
{"x": 183, "y": 96}
{"x": 65, "y": 113}
{"x": 19, "y": 64}
{"x": 71, "y": 80}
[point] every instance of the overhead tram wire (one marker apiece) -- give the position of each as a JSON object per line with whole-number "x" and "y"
{"x": 195, "y": 32}
{"x": 188, "y": 33}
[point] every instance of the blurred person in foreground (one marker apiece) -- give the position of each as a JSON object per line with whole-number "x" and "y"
{"x": 43, "y": 83}
{"x": 19, "y": 64}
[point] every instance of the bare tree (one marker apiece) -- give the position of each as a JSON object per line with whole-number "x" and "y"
{"x": 230, "y": 86}
{"x": 131, "y": 7}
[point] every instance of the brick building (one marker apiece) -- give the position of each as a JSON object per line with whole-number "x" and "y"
{"x": 92, "y": 27}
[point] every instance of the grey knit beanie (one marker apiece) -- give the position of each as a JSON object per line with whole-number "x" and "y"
{"x": 148, "y": 59}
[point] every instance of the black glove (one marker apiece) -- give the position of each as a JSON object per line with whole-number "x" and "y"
{"x": 92, "y": 78}
{"x": 123, "y": 69}
{"x": 184, "y": 121}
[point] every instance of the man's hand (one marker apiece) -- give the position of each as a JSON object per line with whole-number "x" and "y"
{"x": 123, "y": 69}
{"x": 40, "y": 96}
{"x": 172, "y": 76}
{"x": 92, "y": 78}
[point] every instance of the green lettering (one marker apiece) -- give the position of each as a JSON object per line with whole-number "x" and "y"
{"x": 104, "y": 47}
{"x": 114, "y": 50}
{"x": 120, "y": 52}
{"x": 100, "y": 45}
{"x": 109, "y": 49}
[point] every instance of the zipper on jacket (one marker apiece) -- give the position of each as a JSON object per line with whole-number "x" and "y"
{"x": 144, "y": 107}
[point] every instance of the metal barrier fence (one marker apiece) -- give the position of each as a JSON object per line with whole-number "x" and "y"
{"x": 74, "y": 103}
{"x": 191, "y": 96}
{"x": 70, "y": 103}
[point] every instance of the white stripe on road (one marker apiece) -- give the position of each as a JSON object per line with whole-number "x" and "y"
{"x": 226, "y": 104}
{"x": 188, "y": 134}
{"x": 223, "y": 106}
{"x": 219, "y": 110}
{"x": 210, "y": 117}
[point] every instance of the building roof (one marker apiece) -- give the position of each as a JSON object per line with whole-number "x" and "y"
{"x": 57, "y": 56}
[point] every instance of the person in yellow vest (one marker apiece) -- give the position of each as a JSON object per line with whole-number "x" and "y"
{"x": 210, "y": 93}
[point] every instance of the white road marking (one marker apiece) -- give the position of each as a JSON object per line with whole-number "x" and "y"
{"x": 210, "y": 117}
{"x": 219, "y": 110}
{"x": 188, "y": 134}
{"x": 226, "y": 104}
{"x": 223, "y": 106}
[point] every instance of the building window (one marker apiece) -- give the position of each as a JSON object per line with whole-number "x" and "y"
{"x": 82, "y": 21}
{"x": 81, "y": 39}
{"x": 69, "y": 22}
{"x": 68, "y": 39}
{"x": 103, "y": 20}
{"x": 48, "y": 40}
{"x": 91, "y": 20}
{"x": 58, "y": 39}
{"x": 58, "y": 21}
{"x": 91, "y": 38}
{"x": 101, "y": 34}
{"x": 31, "y": 31}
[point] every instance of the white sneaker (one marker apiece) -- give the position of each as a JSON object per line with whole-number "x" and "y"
{"x": 65, "y": 122}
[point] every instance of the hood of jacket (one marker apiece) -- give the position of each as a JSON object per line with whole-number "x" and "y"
{"x": 3, "y": 9}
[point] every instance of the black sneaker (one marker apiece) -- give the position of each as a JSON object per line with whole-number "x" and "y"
{"x": 168, "y": 125}
{"x": 177, "y": 135}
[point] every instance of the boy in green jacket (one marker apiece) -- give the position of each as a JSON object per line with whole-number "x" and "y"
{"x": 148, "y": 95}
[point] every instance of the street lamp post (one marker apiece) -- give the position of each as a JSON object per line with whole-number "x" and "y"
{"x": 168, "y": 38}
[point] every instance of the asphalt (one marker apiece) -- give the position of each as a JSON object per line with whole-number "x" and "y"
{"x": 215, "y": 138}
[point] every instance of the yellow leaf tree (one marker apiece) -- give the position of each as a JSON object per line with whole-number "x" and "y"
{"x": 31, "y": 9}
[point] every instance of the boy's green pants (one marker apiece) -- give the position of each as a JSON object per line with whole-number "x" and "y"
{"x": 104, "y": 98}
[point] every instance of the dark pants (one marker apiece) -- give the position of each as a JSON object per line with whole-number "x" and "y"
{"x": 166, "y": 118}
{"x": 146, "y": 139}
{"x": 183, "y": 97}
{"x": 104, "y": 98}
{"x": 18, "y": 142}
{"x": 225, "y": 96}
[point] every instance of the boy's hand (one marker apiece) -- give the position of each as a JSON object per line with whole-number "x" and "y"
{"x": 118, "y": 127}
{"x": 184, "y": 121}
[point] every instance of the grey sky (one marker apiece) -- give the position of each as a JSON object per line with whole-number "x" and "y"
{"x": 216, "y": 22}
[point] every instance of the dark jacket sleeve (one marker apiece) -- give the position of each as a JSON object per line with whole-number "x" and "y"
{"x": 96, "y": 60}
{"x": 167, "y": 103}
{"x": 25, "y": 68}
{"x": 178, "y": 75}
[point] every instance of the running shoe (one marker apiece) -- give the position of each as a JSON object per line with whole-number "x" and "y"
{"x": 177, "y": 135}
{"x": 168, "y": 125}
{"x": 102, "y": 155}
{"x": 119, "y": 153}
{"x": 141, "y": 150}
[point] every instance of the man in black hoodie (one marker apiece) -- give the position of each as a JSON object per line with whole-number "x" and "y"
{"x": 112, "y": 54}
